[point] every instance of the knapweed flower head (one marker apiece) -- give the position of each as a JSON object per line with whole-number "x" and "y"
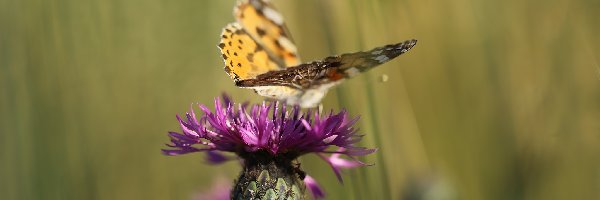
{"x": 269, "y": 131}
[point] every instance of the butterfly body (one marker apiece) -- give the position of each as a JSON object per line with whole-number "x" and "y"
{"x": 304, "y": 98}
{"x": 259, "y": 55}
{"x": 303, "y": 85}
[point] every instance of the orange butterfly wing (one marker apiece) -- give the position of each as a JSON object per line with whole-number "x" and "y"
{"x": 243, "y": 57}
{"x": 257, "y": 43}
{"x": 263, "y": 23}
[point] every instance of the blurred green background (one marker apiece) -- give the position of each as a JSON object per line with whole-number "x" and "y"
{"x": 498, "y": 100}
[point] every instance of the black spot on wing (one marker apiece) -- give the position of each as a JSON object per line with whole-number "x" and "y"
{"x": 261, "y": 32}
{"x": 250, "y": 57}
{"x": 259, "y": 11}
{"x": 278, "y": 44}
{"x": 258, "y": 48}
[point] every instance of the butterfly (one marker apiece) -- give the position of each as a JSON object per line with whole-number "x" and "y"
{"x": 259, "y": 54}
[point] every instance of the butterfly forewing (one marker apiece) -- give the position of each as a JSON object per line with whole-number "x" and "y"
{"x": 351, "y": 64}
{"x": 331, "y": 69}
{"x": 243, "y": 57}
{"x": 263, "y": 23}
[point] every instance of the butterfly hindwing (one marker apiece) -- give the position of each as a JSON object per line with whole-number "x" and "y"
{"x": 243, "y": 57}
{"x": 263, "y": 23}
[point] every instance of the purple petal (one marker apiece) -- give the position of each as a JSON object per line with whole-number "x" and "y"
{"x": 336, "y": 170}
{"x": 313, "y": 187}
{"x": 226, "y": 99}
{"x": 177, "y": 152}
{"x": 329, "y": 139}
{"x": 214, "y": 157}
{"x": 359, "y": 151}
{"x": 338, "y": 163}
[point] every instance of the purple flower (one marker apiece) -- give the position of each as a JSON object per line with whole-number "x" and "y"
{"x": 268, "y": 129}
